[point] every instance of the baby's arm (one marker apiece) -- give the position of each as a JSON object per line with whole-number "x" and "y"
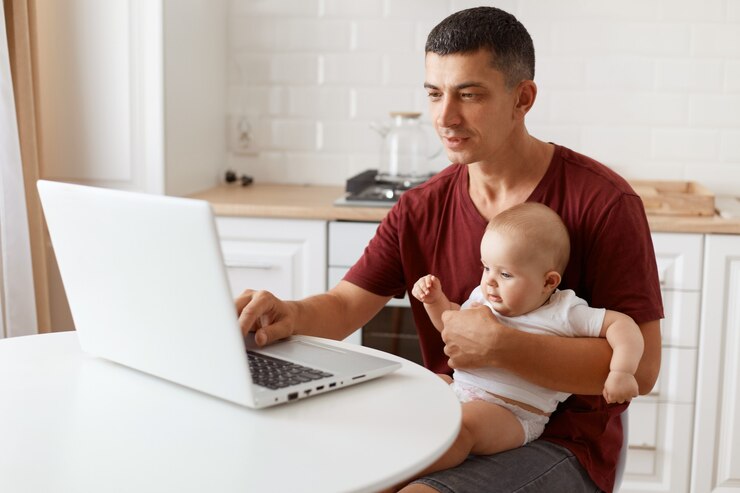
{"x": 627, "y": 344}
{"x": 428, "y": 290}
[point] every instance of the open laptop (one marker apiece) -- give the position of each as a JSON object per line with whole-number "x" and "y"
{"x": 147, "y": 288}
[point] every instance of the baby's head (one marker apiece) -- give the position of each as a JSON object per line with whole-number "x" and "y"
{"x": 524, "y": 252}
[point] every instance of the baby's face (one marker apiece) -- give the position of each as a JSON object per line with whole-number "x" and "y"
{"x": 514, "y": 279}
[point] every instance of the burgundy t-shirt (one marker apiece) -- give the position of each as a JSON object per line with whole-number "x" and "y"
{"x": 436, "y": 229}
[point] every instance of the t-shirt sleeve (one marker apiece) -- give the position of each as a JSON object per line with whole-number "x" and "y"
{"x": 379, "y": 269}
{"x": 585, "y": 321}
{"x": 624, "y": 276}
{"x": 475, "y": 297}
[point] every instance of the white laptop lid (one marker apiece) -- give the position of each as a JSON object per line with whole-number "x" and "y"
{"x": 167, "y": 286}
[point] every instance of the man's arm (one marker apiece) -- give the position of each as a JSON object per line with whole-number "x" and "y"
{"x": 335, "y": 314}
{"x": 474, "y": 338}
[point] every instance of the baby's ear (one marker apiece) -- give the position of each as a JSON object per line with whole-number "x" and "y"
{"x": 552, "y": 280}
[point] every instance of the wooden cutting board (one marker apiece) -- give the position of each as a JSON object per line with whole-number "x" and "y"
{"x": 675, "y": 198}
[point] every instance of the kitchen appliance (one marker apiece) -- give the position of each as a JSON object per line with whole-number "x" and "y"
{"x": 405, "y": 152}
{"x": 373, "y": 189}
{"x": 405, "y": 162}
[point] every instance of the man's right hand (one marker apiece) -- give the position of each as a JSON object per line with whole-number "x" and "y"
{"x": 270, "y": 318}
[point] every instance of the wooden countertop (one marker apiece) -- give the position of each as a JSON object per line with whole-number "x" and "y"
{"x": 317, "y": 202}
{"x": 286, "y": 201}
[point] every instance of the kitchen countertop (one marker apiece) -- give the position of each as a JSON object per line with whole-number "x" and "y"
{"x": 317, "y": 202}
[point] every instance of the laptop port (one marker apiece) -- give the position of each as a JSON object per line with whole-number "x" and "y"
{"x": 333, "y": 384}
{"x": 293, "y": 396}
{"x": 320, "y": 387}
{"x": 358, "y": 377}
{"x": 307, "y": 391}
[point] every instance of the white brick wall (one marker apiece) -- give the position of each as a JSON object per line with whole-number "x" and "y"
{"x": 650, "y": 87}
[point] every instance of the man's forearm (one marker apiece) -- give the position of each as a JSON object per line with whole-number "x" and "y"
{"x": 337, "y": 313}
{"x": 576, "y": 365}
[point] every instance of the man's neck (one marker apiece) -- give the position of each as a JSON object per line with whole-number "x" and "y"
{"x": 510, "y": 178}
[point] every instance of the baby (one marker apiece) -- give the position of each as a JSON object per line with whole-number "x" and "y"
{"x": 524, "y": 252}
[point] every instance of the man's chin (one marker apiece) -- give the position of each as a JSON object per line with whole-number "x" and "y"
{"x": 457, "y": 157}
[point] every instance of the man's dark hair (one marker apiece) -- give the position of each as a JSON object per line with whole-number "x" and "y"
{"x": 467, "y": 31}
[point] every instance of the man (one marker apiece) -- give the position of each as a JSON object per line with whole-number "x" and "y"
{"x": 479, "y": 79}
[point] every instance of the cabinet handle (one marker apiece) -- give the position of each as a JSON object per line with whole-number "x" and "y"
{"x": 650, "y": 448}
{"x": 250, "y": 265}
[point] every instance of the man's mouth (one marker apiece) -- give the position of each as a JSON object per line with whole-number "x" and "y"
{"x": 453, "y": 141}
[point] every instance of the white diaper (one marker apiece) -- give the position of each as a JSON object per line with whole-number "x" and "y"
{"x": 532, "y": 423}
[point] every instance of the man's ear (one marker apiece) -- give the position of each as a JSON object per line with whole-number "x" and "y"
{"x": 526, "y": 92}
{"x": 552, "y": 280}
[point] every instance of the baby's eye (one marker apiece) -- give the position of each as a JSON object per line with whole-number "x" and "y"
{"x": 506, "y": 275}
{"x": 486, "y": 269}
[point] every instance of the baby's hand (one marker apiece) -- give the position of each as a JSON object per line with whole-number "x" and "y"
{"x": 620, "y": 387}
{"x": 427, "y": 289}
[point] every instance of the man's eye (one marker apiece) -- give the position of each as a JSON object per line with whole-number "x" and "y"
{"x": 468, "y": 95}
{"x": 434, "y": 95}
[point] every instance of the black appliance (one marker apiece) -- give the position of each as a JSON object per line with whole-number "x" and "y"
{"x": 371, "y": 188}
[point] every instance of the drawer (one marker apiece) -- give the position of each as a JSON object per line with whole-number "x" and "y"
{"x": 680, "y": 327}
{"x": 261, "y": 266}
{"x": 660, "y": 442}
{"x": 677, "y": 378}
{"x": 347, "y": 241}
{"x": 679, "y": 259}
{"x": 284, "y": 256}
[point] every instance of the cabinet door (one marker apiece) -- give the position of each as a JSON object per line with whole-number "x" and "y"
{"x": 679, "y": 260}
{"x": 660, "y": 436}
{"x": 286, "y": 257}
{"x": 347, "y": 241}
{"x": 716, "y": 457}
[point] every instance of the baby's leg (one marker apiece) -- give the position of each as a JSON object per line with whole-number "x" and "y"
{"x": 486, "y": 429}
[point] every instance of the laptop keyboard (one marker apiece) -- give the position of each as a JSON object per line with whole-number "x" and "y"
{"x": 275, "y": 373}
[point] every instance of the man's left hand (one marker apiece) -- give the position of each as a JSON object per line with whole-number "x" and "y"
{"x": 471, "y": 337}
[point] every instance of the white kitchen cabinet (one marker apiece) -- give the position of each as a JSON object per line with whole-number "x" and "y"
{"x": 660, "y": 433}
{"x": 131, "y": 93}
{"x": 347, "y": 241}
{"x": 284, "y": 256}
{"x": 716, "y": 454}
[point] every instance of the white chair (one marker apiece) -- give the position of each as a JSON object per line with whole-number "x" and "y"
{"x": 623, "y": 453}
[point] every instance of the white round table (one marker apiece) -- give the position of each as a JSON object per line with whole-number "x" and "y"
{"x": 70, "y": 422}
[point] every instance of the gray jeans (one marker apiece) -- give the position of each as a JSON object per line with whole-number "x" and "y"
{"x": 537, "y": 467}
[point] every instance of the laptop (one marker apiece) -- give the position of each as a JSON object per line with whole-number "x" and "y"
{"x": 147, "y": 288}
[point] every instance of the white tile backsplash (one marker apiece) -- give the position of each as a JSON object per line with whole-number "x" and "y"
{"x": 627, "y": 144}
{"x": 353, "y": 9}
{"x": 715, "y": 110}
{"x": 686, "y": 144}
{"x": 383, "y": 35}
{"x": 689, "y": 75}
{"x": 352, "y": 69}
{"x": 730, "y": 147}
{"x": 417, "y": 9}
{"x": 312, "y": 35}
{"x": 732, "y": 77}
{"x": 650, "y": 87}
{"x": 716, "y": 40}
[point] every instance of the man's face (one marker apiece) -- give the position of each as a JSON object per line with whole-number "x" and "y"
{"x": 470, "y": 106}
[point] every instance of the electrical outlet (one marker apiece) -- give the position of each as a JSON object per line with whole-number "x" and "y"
{"x": 241, "y": 135}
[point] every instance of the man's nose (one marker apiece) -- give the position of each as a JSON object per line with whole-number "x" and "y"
{"x": 448, "y": 114}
